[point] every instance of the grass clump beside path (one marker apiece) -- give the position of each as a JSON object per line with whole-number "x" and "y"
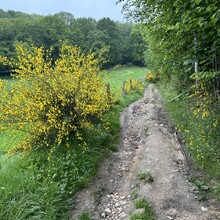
{"x": 196, "y": 124}
{"x": 33, "y": 187}
{"x": 143, "y": 211}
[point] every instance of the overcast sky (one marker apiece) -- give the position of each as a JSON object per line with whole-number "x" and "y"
{"x": 79, "y": 8}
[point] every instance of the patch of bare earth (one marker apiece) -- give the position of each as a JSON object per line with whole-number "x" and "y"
{"x": 148, "y": 145}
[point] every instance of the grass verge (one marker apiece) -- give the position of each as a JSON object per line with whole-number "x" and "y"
{"x": 201, "y": 138}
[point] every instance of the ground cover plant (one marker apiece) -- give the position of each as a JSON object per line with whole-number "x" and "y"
{"x": 41, "y": 184}
{"x": 195, "y": 113}
{"x": 146, "y": 212}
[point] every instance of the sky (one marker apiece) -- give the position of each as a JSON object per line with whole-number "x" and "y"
{"x": 79, "y": 8}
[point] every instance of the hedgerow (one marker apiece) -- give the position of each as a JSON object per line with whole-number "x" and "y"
{"x": 52, "y": 101}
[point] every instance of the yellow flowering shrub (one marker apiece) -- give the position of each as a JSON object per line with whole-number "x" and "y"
{"x": 150, "y": 77}
{"x": 204, "y": 130}
{"x": 132, "y": 85}
{"x": 3, "y": 60}
{"x": 52, "y": 101}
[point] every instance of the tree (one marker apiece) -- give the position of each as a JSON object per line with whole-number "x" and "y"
{"x": 179, "y": 33}
{"x": 112, "y": 40}
{"x": 49, "y": 31}
{"x": 80, "y": 32}
{"x": 66, "y": 17}
{"x": 87, "y": 33}
{"x": 137, "y": 44}
{"x": 124, "y": 31}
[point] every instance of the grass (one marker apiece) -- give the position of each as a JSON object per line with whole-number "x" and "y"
{"x": 199, "y": 136}
{"x": 143, "y": 211}
{"x": 85, "y": 216}
{"x": 116, "y": 77}
{"x": 145, "y": 176}
{"x": 33, "y": 187}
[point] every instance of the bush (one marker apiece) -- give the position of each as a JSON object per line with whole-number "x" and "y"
{"x": 132, "y": 85}
{"x": 52, "y": 101}
{"x": 150, "y": 77}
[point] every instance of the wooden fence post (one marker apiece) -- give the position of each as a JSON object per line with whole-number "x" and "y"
{"x": 131, "y": 87}
{"x": 108, "y": 90}
{"x": 123, "y": 88}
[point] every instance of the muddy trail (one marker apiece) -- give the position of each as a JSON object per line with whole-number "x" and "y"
{"x": 148, "y": 147}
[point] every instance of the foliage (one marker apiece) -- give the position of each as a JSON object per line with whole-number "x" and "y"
{"x": 85, "y": 216}
{"x": 33, "y": 187}
{"x": 205, "y": 147}
{"x": 124, "y": 74}
{"x": 196, "y": 116}
{"x": 147, "y": 212}
{"x": 112, "y": 40}
{"x": 75, "y": 96}
{"x": 132, "y": 85}
{"x": 180, "y": 35}
{"x": 123, "y": 39}
{"x": 136, "y": 44}
{"x": 150, "y": 77}
{"x": 208, "y": 81}
{"x": 146, "y": 177}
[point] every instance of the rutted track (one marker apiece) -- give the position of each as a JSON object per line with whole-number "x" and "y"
{"x": 148, "y": 145}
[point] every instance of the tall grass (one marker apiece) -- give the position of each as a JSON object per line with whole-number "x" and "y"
{"x": 33, "y": 187}
{"x": 200, "y": 138}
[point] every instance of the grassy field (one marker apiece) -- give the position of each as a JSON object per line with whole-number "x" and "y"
{"x": 33, "y": 187}
{"x": 116, "y": 77}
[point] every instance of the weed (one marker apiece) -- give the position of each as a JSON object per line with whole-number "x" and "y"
{"x": 200, "y": 187}
{"x": 146, "y": 129}
{"x": 146, "y": 212}
{"x": 146, "y": 177}
{"x": 151, "y": 77}
{"x": 196, "y": 118}
{"x": 85, "y": 216}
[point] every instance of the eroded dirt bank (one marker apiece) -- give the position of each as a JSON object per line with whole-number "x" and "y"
{"x": 148, "y": 145}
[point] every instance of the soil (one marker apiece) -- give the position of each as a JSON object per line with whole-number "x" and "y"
{"x": 149, "y": 147}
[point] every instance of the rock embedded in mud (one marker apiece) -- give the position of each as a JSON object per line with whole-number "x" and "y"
{"x": 204, "y": 209}
{"x": 117, "y": 204}
{"x": 107, "y": 210}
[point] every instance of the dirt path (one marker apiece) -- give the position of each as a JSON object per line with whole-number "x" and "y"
{"x": 148, "y": 145}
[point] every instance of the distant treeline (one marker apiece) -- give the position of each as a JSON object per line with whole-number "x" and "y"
{"x": 124, "y": 39}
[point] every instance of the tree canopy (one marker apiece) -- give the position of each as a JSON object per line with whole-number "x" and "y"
{"x": 183, "y": 35}
{"x": 87, "y": 33}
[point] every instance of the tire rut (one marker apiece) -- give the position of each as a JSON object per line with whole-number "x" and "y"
{"x": 148, "y": 145}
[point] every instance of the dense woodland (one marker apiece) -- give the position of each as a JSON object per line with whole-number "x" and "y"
{"x": 125, "y": 43}
{"x": 183, "y": 38}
